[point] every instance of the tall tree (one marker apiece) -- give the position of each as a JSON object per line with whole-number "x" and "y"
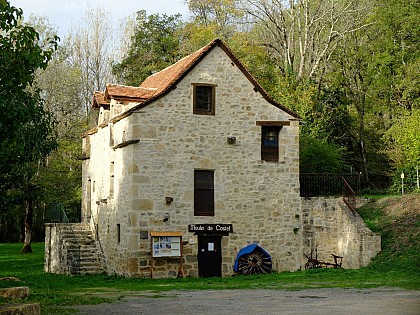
{"x": 396, "y": 85}
{"x": 155, "y": 45}
{"x": 91, "y": 49}
{"x": 26, "y": 127}
{"x": 223, "y": 16}
{"x": 302, "y": 34}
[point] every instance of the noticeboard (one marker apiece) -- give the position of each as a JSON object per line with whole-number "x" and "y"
{"x": 166, "y": 246}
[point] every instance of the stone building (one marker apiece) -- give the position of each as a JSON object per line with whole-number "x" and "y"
{"x": 188, "y": 168}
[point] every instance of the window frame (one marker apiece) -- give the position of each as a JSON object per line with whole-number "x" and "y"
{"x": 204, "y": 193}
{"x": 270, "y": 152}
{"x": 212, "y": 109}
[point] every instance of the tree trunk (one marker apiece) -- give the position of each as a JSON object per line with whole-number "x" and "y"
{"x": 28, "y": 226}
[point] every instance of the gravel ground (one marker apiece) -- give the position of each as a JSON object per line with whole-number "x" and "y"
{"x": 381, "y": 301}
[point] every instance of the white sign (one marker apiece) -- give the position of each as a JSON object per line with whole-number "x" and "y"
{"x": 210, "y": 247}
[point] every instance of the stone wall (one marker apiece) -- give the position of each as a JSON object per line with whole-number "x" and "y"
{"x": 129, "y": 183}
{"x": 331, "y": 227}
{"x": 55, "y": 258}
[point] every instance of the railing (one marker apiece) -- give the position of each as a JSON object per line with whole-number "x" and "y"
{"x": 349, "y": 196}
{"x": 317, "y": 185}
{"x": 56, "y": 213}
{"x": 97, "y": 239}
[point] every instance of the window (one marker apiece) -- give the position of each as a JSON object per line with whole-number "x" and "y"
{"x": 270, "y": 143}
{"x": 111, "y": 179}
{"x": 203, "y": 193}
{"x": 204, "y": 99}
{"x": 118, "y": 233}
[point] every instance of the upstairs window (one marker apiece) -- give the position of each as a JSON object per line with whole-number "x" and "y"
{"x": 204, "y": 99}
{"x": 203, "y": 193}
{"x": 270, "y": 143}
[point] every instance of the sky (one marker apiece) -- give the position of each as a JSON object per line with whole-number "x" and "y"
{"x": 62, "y": 14}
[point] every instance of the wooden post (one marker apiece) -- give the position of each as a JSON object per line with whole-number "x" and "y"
{"x": 181, "y": 271}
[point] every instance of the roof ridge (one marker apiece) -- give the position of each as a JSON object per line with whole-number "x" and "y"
{"x": 130, "y": 86}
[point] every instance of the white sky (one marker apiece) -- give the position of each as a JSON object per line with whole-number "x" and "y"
{"x": 63, "y": 14}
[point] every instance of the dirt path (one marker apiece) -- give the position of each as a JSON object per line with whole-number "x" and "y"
{"x": 380, "y": 301}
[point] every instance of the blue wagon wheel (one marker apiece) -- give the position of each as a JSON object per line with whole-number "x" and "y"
{"x": 256, "y": 262}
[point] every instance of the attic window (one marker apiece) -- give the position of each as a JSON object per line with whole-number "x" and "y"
{"x": 204, "y": 96}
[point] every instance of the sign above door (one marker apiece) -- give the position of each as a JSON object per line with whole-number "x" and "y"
{"x": 211, "y": 228}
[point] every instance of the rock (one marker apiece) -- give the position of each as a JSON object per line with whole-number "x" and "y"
{"x": 20, "y": 309}
{"x": 9, "y": 279}
{"x": 14, "y": 293}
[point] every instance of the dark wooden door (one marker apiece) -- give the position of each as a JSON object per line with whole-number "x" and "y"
{"x": 209, "y": 256}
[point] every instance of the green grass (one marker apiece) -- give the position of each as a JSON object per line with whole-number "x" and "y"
{"x": 396, "y": 266}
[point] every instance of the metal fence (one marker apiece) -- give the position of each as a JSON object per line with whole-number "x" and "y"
{"x": 56, "y": 213}
{"x": 316, "y": 185}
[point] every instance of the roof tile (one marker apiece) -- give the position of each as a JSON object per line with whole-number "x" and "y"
{"x": 128, "y": 92}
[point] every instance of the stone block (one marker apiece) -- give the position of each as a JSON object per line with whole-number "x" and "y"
{"x": 14, "y": 293}
{"x": 20, "y": 309}
{"x": 132, "y": 265}
{"x": 142, "y": 204}
{"x": 144, "y": 131}
{"x": 133, "y": 242}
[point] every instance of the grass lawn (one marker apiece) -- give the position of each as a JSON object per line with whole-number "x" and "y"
{"x": 396, "y": 266}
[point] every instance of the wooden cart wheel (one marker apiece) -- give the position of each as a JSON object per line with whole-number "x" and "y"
{"x": 254, "y": 263}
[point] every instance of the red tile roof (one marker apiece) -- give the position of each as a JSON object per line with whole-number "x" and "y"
{"x": 123, "y": 92}
{"x": 99, "y": 100}
{"x": 162, "y": 82}
{"x": 168, "y": 77}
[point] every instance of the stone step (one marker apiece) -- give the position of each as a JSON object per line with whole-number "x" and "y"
{"x": 76, "y": 242}
{"x": 77, "y": 234}
{"x": 82, "y": 248}
{"x": 91, "y": 272}
{"x": 79, "y": 241}
{"x": 87, "y": 264}
{"x": 74, "y": 227}
{"x": 91, "y": 256}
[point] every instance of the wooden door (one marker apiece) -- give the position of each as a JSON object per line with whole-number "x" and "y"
{"x": 209, "y": 256}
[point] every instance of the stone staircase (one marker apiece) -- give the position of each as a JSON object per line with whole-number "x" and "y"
{"x": 81, "y": 250}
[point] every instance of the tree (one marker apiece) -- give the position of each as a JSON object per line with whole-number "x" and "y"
{"x": 155, "y": 45}
{"x": 90, "y": 49}
{"x": 302, "y": 35}
{"x": 220, "y": 15}
{"x": 317, "y": 156}
{"x": 26, "y": 127}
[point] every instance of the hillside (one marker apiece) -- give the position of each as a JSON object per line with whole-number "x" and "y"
{"x": 397, "y": 219}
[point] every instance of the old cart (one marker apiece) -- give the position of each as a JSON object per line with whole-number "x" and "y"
{"x": 313, "y": 263}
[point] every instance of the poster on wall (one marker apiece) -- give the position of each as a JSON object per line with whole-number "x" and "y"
{"x": 166, "y": 246}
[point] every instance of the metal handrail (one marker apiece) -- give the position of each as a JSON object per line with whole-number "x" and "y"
{"x": 349, "y": 196}
{"x": 97, "y": 239}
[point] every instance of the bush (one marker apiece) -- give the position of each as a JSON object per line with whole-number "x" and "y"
{"x": 317, "y": 156}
